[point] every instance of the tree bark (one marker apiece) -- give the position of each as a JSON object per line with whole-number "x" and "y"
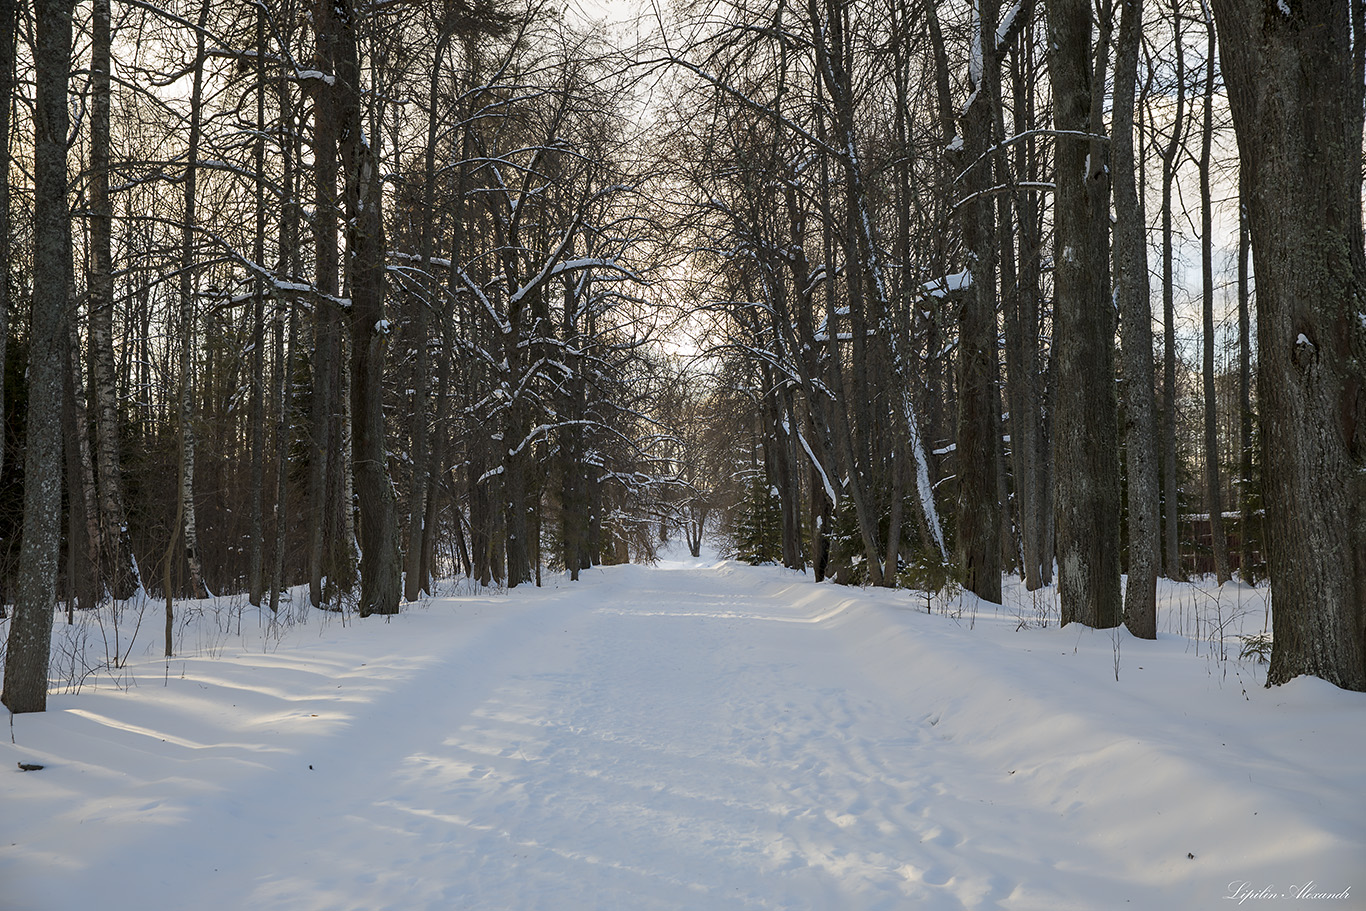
{"x": 9, "y": 22}
{"x": 1171, "y": 497}
{"x": 326, "y": 357}
{"x": 285, "y": 355}
{"x": 1131, "y": 292}
{"x": 120, "y": 569}
{"x": 415, "y": 581}
{"x": 187, "y": 321}
{"x": 35, "y": 594}
{"x": 1290, "y": 71}
{"x": 1250, "y": 522}
{"x": 1024, "y": 364}
{"x": 979, "y": 410}
{"x": 256, "y": 532}
{"x": 1214, "y": 497}
{"x": 1085, "y": 428}
{"x": 842, "y": 430}
{"x": 84, "y": 582}
{"x": 380, "y": 562}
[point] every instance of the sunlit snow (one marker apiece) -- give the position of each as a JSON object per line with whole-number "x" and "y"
{"x": 696, "y": 735}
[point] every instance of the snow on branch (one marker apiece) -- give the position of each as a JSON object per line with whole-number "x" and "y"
{"x": 816, "y": 464}
{"x": 942, "y": 287}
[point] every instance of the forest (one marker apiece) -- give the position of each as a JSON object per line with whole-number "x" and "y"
{"x": 355, "y": 296}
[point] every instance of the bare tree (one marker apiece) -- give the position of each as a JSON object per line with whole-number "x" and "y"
{"x": 1085, "y": 427}
{"x": 186, "y": 517}
{"x": 380, "y": 566}
{"x": 979, "y": 402}
{"x": 26, "y": 659}
{"x": 1213, "y": 484}
{"x": 256, "y": 532}
{"x": 1026, "y": 363}
{"x": 9, "y": 24}
{"x": 1295, "y": 92}
{"x": 1170, "y": 482}
{"x": 1249, "y": 518}
{"x": 1132, "y": 294}
{"x": 121, "y": 572}
{"x": 83, "y": 582}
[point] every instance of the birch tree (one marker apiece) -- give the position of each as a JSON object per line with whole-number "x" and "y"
{"x": 121, "y": 572}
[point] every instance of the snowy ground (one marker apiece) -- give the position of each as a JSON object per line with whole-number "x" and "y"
{"x": 698, "y": 735}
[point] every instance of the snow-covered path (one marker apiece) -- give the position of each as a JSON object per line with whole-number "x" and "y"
{"x": 689, "y": 737}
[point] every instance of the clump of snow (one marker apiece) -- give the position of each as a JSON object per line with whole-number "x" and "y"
{"x": 1007, "y": 22}
{"x": 940, "y": 287}
{"x": 695, "y": 735}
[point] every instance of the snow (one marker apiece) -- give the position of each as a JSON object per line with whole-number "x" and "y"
{"x": 816, "y": 464}
{"x": 922, "y": 481}
{"x": 305, "y": 75}
{"x": 696, "y": 735}
{"x": 956, "y": 281}
{"x": 975, "y": 55}
{"x": 1007, "y": 23}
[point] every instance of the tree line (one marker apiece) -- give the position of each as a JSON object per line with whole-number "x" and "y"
{"x": 930, "y": 240}
{"x": 347, "y": 295}
{"x": 360, "y": 295}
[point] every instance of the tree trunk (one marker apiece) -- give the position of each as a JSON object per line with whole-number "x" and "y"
{"x": 83, "y": 535}
{"x": 120, "y": 570}
{"x": 35, "y": 593}
{"x": 187, "y": 319}
{"x": 1214, "y": 497}
{"x": 415, "y": 582}
{"x": 821, "y": 516}
{"x": 1296, "y": 110}
{"x": 1131, "y": 284}
{"x": 283, "y": 396}
{"x": 837, "y": 379}
{"x": 326, "y": 358}
{"x": 1171, "y": 498}
{"x": 1250, "y": 522}
{"x": 1024, "y": 364}
{"x": 979, "y": 410}
{"x": 9, "y": 22}
{"x": 440, "y": 449}
{"x": 1085, "y": 428}
{"x": 574, "y": 506}
{"x": 287, "y": 264}
{"x": 256, "y": 532}
{"x": 380, "y": 562}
